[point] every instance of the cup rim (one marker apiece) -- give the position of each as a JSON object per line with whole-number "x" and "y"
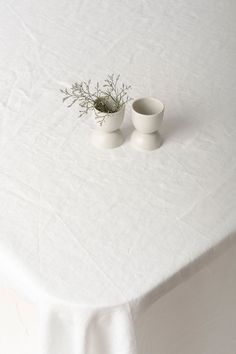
{"x": 148, "y": 98}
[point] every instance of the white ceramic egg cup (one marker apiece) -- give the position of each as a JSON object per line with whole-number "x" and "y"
{"x": 108, "y": 135}
{"x": 147, "y": 117}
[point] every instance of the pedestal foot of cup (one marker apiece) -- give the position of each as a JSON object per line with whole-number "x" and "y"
{"x": 107, "y": 140}
{"x": 142, "y": 141}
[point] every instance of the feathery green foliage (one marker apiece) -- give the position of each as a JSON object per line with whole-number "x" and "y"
{"x": 102, "y": 99}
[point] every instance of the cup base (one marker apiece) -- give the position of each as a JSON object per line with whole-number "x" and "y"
{"x": 142, "y": 141}
{"x": 107, "y": 140}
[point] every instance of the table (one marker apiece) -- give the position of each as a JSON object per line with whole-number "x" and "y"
{"x": 97, "y": 237}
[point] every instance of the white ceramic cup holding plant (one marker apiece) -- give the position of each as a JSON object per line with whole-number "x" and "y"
{"x": 147, "y": 117}
{"x": 107, "y": 102}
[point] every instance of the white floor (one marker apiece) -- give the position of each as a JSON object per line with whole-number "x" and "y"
{"x": 18, "y": 324}
{"x": 198, "y": 317}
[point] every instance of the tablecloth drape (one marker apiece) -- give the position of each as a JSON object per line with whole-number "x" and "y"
{"x": 97, "y": 237}
{"x": 197, "y": 316}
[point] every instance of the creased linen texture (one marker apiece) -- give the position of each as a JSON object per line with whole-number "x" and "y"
{"x": 96, "y": 237}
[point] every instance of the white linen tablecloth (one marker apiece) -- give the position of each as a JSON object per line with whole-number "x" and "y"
{"x": 96, "y": 237}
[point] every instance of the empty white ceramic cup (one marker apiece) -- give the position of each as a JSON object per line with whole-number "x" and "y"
{"x": 147, "y": 117}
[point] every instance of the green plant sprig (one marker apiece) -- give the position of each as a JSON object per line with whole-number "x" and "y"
{"x": 103, "y": 99}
